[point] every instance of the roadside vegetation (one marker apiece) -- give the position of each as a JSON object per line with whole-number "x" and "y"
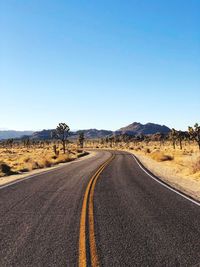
{"x": 24, "y": 155}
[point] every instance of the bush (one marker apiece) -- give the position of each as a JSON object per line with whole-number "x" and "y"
{"x": 196, "y": 166}
{"x": 5, "y": 168}
{"x": 160, "y": 156}
{"x": 27, "y": 159}
{"x": 147, "y": 150}
{"x": 63, "y": 158}
{"x": 44, "y": 163}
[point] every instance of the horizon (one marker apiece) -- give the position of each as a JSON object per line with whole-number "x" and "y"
{"x": 99, "y": 129}
{"x": 99, "y": 65}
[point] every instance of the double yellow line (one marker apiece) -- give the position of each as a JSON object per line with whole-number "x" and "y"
{"x": 88, "y": 209}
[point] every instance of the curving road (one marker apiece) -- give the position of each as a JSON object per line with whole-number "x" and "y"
{"x": 102, "y": 211}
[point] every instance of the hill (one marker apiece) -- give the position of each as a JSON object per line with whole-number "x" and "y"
{"x": 94, "y": 133}
{"x": 7, "y": 134}
{"x": 137, "y": 128}
{"x": 89, "y": 134}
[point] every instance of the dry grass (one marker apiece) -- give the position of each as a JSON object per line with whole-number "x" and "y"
{"x": 185, "y": 162}
{"x": 160, "y": 156}
{"x": 20, "y": 159}
{"x": 196, "y": 165}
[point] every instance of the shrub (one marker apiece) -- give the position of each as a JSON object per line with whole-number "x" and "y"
{"x": 160, "y": 156}
{"x": 63, "y": 158}
{"x": 35, "y": 165}
{"x": 196, "y": 166}
{"x": 44, "y": 163}
{"x": 27, "y": 159}
{"x": 5, "y": 168}
{"x": 147, "y": 150}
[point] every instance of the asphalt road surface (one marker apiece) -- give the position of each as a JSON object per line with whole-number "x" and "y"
{"x": 101, "y": 211}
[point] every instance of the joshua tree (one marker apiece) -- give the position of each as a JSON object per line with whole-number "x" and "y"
{"x": 61, "y": 133}
{"x": 147, "y": 139}
{"x": 173, "y": 137}
{"x": 10, "y": 142}
{"x": 194, "y": 133}
{"x": 180, "y": 137}
{"x": 56, "y": 152}
{"x": 27, "y": 142}
{"x": 81, "y": 139}
{"x": 102, "y": 141}
{"x": 160, "y": 137}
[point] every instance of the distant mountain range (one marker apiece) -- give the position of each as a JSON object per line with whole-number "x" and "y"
{"x": 135, "y": 128}
{"x": 6, "y": 134}
{"x": 89, "y": 134}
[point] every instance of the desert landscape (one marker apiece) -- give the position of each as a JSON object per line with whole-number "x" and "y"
{"x": 172, "y": 155}
{"x": 100, "y": 133}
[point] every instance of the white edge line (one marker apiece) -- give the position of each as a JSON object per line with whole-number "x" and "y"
{"x": 165, "y": 185}
{"x": 39, "y": 174}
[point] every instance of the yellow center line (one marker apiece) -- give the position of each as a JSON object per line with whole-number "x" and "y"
{"x": 82, "y": 234}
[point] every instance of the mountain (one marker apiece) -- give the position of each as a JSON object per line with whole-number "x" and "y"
{"x": 94, "y": 133}
{"x": 137, "y": 128}
{"x": 6, "y": 134}
{"x": 42, "y": 135}
{"x": 89, "y": 134}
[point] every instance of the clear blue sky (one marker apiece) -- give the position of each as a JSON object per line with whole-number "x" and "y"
{"x": 99, "y": 64}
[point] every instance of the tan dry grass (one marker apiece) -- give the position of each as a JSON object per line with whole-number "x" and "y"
{"x": 160, "y": 156}
{"x": 20, "y": 160}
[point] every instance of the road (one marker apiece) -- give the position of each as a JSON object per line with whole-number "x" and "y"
{"x": 101, "y": 211}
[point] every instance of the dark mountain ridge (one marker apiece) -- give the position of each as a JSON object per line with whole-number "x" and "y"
{"x": 135, "y": 128}
{"x": 89, "y": 134}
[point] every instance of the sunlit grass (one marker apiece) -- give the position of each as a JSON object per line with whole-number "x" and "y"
{"x": 20, "y": 160}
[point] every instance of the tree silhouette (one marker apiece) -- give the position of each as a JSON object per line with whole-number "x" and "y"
{"x": 173, "y": 137}
{"x": 194, "y": 133}
{"x": 62, "y": 132}
{"x": 81, "y": 139}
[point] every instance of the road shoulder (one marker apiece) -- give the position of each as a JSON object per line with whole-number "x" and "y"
{"x": 190, "y": 187}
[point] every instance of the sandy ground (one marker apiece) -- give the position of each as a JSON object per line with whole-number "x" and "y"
{"x": 12, "y": 178}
